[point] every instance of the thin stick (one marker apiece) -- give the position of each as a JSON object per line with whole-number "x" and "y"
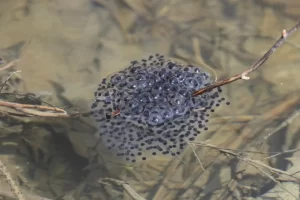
{"x": 133, "y": 194}
{"x": 193, "y": 148}
{"x": 285, "y": 123}
{"x": 243, "y": 158}
{"x": 271, "y": 177}
{"x": 284, "y": 35}
{"x": 14, "y": 188}
{"x": 5, "y": 82}
{"x": 36, "y": 110}
{"x": 8, "y": 65}
{"x": 255, "y": 163}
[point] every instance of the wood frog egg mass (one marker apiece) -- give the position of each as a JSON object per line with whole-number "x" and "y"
{"x": 148, "y": 108}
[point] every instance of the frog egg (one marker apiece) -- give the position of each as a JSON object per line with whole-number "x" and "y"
{"x": 191, "y": 83}
{"x": 117, "y": 78}
{"x": 155, "y": 118}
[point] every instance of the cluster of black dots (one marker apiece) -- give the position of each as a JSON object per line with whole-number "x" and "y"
{"x": 149, "y": 108}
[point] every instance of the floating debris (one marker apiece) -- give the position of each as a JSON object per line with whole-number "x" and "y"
{"x": 149, "y": 108}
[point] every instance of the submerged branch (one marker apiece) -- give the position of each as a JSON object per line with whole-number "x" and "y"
{"x": 244, "y": 75}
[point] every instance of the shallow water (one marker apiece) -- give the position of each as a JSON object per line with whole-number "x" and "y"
{"x": 71, "y": 45}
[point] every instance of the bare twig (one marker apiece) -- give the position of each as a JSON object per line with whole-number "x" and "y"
{"x": 8, "y": 65}
{"x": 285, "y": 123}
{"x": 245, "y": 159}
{"x": 36, "y": 110}
{"x": 5, "y": 82}
{"x": 5, "y": 191}
{"x": 15, "y": 189}
{"x": 244, "y": 75}
{"x": 193, "y": 149}
{"x": 270, "y": 177}
{"x": 254, "y": 163}
{"x": 27, "y": 110}
{"x": 284, "y": 152}
{"x": 133, "y": 194}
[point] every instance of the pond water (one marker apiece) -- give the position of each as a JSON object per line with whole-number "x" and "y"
{"x": 67, "y": 47}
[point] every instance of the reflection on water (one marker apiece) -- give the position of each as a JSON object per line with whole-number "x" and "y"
{"x": 69, "y": 46}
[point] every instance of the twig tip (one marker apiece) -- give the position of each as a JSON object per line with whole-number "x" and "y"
{"x": 284, "y": 34}
{"x": 245, "y": 77}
